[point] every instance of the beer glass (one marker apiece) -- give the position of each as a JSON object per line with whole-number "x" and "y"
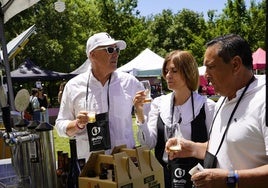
{"x": 147, "y": 87}
{"x": 178, "y": 135}
{"x": 91, "y": 109}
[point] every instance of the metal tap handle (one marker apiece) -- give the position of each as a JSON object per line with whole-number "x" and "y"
{"x": 24, "y": 139}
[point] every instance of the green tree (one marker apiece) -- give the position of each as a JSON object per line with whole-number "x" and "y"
{"x": 184, "y": 31}
{"x": 60, "y": 41}
{"x": 120, "y": 20}
{"x": 159, "y": 35}
{"x": 61, "y": 37}
{"x": 257, "y": 25}
{"x": 249, "y": 23}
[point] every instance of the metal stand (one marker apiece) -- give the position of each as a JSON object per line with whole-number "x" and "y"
{"x": 5, "y": 60}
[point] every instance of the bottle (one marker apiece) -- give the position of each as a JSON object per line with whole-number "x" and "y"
{"x": 65, "y": 171}
{"x": 59, "y": 169}
{"x": 104, "y": 172}
{"x": 60, "y": 163}
{"x": 82, "y": 163}
{"x": 74, "y": 170}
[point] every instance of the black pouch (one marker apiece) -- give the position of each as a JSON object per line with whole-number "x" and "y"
{"x": 210, "y": 160}
{"x": 180, "y": 178}
{"x": 99, "y": 133}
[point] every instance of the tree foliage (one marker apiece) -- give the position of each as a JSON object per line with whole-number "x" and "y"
{"x": 59, "y": 43}
{"x": 61, "y": 37}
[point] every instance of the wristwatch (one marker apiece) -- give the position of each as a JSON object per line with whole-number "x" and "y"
{"x": 232, "y": 179}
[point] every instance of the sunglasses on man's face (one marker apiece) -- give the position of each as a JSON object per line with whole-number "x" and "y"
{"x": 110, "y": 50}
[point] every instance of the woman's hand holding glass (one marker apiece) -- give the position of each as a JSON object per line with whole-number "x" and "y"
{"x": 178, "y": 135}
{"x": 138, "y": 103}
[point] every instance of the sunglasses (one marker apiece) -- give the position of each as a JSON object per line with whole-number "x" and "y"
{"x": 110, "y": 50}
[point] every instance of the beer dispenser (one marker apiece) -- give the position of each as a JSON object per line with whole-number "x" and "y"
{"x": 32, "y": 146}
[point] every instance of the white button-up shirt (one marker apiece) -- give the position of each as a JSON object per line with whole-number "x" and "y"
{"x": 245, "y": 144}
{"x": 122, "y": 89}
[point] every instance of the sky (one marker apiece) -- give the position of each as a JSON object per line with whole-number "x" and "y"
{"x": 148, "y": 7}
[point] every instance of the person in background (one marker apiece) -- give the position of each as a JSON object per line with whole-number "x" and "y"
{"x": 104, "y": 90}
{"x": 61, "y": 88}
{"x": 35, "y": 105}
{"x": 183, "y": 110}
{"x": 236, "y": 154}
{"x": 43, "y": 101}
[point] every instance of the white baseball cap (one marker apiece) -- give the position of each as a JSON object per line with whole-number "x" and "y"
{"x": 103, "y": 39}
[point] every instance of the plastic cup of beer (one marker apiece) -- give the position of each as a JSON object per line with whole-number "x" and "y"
{"x": 147, "y": 87}
{"x": 176, "y": 147}
{"x": 178, "y": 136}
{"x": 91, "y": 117}
{"x": 91, "y": 112}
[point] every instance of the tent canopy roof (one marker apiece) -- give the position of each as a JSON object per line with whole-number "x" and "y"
{"x": 28, "y": 71}
{"x": 259, "y": 58}
{"x": 82, "y": 68}
{"x": 147, "y": 60}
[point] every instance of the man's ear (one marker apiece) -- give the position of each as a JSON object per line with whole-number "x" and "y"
{"x": 237, "y": 63}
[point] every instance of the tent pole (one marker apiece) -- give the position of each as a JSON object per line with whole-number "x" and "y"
{"x": 266, "y": 60}
{"x": 5, "y": 60}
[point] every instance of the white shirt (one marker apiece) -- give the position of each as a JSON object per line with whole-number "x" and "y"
{"x": 122, "y": 89}
{"x": 245, "y": 145}
{"x": 147, "y": 133}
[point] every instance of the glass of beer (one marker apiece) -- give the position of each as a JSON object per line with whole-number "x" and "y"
{"x": 178, "y": 135}
{"x": 147, "y": 90}
{"x": 90, "y": 108}
{"x": 91, "y": 116}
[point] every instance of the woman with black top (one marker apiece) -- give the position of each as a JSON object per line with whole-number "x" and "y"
{"x": 182, "y": 109}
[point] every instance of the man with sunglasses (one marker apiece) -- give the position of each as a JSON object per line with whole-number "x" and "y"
{"x": 102, "y": 89}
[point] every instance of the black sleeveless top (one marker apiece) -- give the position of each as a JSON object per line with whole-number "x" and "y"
{"x": 199, "y": 134}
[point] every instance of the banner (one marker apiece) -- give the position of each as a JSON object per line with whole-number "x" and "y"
{"x": 13, "y": 7}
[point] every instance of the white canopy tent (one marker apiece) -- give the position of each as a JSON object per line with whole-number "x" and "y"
{"x": 82, "y": 68}
{"x": 147, "y": 63}
{"x": 202, "y": 70}
{"x": 202, "y": 79}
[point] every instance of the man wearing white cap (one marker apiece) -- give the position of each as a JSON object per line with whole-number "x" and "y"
{"x": 103, "y": 91}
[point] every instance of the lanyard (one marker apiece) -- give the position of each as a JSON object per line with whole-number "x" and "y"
{"x": 107, "y": 91}
{"x": 173, "y": 108}
{"x": 170, "y": 131}
{"x": 231, "y": 116}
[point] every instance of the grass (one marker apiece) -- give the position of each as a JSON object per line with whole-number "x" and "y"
{"x": 62, "y": 143}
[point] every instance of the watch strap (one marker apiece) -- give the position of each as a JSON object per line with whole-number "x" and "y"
{"x": 232, "y": 179}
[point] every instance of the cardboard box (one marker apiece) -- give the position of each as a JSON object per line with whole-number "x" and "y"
{"x": 133, "y": 168}
{"x": 5, "y": 150}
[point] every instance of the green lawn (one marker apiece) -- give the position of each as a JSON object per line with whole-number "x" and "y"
{"x": 62, "y": 144}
